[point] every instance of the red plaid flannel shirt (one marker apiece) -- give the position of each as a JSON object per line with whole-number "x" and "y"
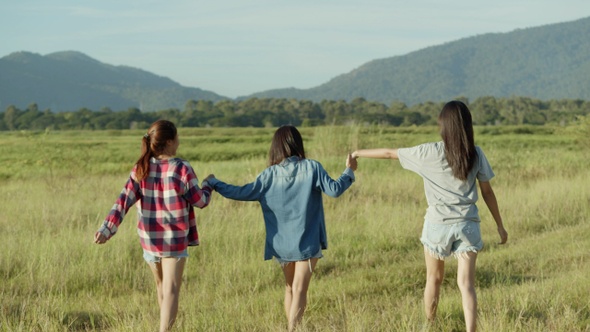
{"x": 166, "y": 219}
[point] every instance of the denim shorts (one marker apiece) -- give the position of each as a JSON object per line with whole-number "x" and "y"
{"x": 444, "y": 240}
{"x": 149, "y": 258}
{"x": 285, "y": 262}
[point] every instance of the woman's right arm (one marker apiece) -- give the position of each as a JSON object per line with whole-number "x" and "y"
{"x": 128, "y": 196}
{"x": 376, "y": 153}
{"x": 490, "y": 198}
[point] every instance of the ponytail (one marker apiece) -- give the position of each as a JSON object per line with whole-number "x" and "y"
{"x": 143, "y": 163}
{"x": 153, "y": 144}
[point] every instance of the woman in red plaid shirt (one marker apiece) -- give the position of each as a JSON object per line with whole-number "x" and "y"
{"x": 167, "y": 189}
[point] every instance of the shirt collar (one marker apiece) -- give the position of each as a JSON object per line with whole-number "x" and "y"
{"x": 291, "y": 159}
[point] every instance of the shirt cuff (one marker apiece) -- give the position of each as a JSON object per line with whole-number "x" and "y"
{"x": 212, "y": 182}
{"x": 206, "y": 184}
{"x": 348, "y": 171}
{"x": 105, "y": 231}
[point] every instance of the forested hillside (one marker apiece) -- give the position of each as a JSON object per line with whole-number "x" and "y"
{"x": 547, "y": 62}
{"x": 68, "y": 81}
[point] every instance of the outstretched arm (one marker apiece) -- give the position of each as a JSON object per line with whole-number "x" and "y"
{"x": 376, "y": 153}
{"x": 249, "y": 192}
{"x": 490, "y": 198}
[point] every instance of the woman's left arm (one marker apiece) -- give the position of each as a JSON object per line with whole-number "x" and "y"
{"x": 335, "y": 188}
{"x": 490, "y": 198}
{"x": 195, "y": 195}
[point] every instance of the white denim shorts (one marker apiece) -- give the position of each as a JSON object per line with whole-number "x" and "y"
{"x": 444, "y": 240}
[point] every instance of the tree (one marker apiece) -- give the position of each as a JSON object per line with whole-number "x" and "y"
{"x": 43, "y": 122}
{"x": 25, "y": 119}
{"x": 485, "y": 111}
{"x": 310, "y": 113}
{"x": 10, "y": 116}
{"x": 171, "y": 114}
{"x": 397, "y": 107}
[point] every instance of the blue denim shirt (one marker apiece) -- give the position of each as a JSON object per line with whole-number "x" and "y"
{"x": 290, "y": 195}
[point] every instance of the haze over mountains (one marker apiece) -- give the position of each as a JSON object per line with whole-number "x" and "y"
{"x": 68, "y": 81}
{"x": 546, "y": 62}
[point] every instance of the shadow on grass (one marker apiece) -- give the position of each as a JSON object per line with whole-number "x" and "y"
{"x": 326, "y": 269}
{"x": 489, "y": 278}
{"x": 83, "y": 321}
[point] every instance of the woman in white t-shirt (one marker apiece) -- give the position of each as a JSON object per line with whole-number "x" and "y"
{"x": 450, "y": 169}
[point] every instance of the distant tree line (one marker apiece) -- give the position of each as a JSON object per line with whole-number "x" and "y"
{"x": 273, "y": 112}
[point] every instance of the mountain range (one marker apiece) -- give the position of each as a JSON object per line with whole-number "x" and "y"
{"x": 546, "y": 62}
{"x": 68, "y": 81}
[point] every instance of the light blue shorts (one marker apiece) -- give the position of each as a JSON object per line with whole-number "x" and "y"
{"x": 285, "y": 262}
{"x": 444, "y": 240}
{"x": 149, "y": 258}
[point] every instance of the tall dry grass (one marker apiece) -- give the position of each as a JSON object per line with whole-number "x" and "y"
{"x": 57, "y": 187}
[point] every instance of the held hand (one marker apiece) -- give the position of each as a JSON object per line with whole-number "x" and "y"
{"x": 351, "y": 162}
{"x": 99, "y": 238}
{"x": 355, "y": 155}
{"x": 209, "y": 177}
{"x": 503, "y": 235}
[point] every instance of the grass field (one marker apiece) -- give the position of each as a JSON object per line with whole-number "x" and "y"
{"x": 56, "y": 188}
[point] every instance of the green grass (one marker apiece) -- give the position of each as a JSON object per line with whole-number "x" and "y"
{"x": 56, "y": 188}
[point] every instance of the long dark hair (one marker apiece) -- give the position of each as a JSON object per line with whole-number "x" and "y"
{"x": 286, "y": 142}
{"x": 153, "y": 144}
{"x": 456, "y": 130}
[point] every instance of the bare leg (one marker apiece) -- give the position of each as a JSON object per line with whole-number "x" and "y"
{"x": 156, "y": 269}
{"x": 289, "y": 272}
{"x": 297, "y": 279}
{"x": 466, "y": 283}
{"x": 172, "y": 269}
{"x": 435, "y": 269}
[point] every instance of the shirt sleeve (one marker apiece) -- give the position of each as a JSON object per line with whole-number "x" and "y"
{"x": 331, "y": 187}
{"x": 129, "y": 195}
{"x": 249, "y": 192}
{"x": 196, "y": 196}
{"x": 485, "y": 172}
{"x": 412, "y": 158}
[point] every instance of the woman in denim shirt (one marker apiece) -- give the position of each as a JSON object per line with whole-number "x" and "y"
{"x": 290, "y": 194}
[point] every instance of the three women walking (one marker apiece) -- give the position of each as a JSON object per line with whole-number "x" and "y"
{"x": 290, "y": 192}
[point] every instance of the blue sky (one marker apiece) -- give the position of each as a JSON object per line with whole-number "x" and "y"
{"x": 236, "y": 48}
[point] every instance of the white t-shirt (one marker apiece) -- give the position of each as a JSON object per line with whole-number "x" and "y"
{"x": 450, "y": 200}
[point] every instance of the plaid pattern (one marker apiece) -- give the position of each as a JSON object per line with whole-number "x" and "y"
{"x": 166, "y": 219}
